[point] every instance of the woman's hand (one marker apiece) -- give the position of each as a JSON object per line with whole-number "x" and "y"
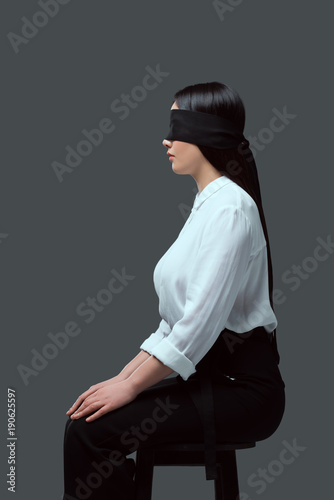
{"x": 102, "y": 398}
{"x": 107, "y": 398}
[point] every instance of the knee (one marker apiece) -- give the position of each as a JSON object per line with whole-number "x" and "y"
{"x": 75, "y": 430}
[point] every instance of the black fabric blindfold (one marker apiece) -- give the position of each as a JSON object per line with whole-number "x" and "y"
{"x": 204, "y": 129}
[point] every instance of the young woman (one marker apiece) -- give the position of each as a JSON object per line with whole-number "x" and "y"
{"x": 218, "y": 326}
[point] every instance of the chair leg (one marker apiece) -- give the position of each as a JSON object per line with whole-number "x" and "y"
{"x": 226, "y": 484}
{"x": 144, "y": 474}
{"x": 219, "y": 483}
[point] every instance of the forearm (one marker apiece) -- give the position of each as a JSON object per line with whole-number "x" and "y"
{"x": 133, "y": 365}
{"x": 148, "y": 373}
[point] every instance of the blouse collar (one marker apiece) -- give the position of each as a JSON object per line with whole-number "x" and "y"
{"x": 209, "y": 189}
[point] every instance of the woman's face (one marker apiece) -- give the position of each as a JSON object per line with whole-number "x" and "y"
{"x": 187, "y": 158}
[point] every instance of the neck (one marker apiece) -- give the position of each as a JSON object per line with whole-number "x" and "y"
{"x": 206, "y": 175}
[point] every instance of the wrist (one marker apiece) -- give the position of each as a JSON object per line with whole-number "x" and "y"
{"x": 147, "y": 374}
{"x": 132, "y": 386}
{"x": 121, "y": 377}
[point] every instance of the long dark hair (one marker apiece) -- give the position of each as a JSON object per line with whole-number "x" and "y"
{"x": 221, "y": 100}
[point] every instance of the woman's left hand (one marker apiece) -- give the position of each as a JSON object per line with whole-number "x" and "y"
{"x": 105, "y": 399}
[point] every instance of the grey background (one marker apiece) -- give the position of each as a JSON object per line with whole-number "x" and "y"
{"x": 121, "y": 207}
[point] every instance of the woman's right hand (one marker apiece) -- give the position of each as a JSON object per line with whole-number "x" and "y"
{"x": 91, "y": 390}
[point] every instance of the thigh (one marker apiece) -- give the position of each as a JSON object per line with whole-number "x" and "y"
{"x": 161, "y": 413}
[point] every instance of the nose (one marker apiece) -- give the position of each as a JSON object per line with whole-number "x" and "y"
{"x": 167, "y": 143}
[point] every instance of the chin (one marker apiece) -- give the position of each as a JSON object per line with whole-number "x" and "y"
{"x": 177, "y": 170}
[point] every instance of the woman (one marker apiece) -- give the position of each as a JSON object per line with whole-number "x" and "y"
{"x": 217, "y": 329}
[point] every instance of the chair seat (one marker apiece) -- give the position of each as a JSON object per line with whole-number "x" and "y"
{"x": 188, "y": 454}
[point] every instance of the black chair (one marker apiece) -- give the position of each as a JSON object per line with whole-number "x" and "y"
{"x": 226, "y": 484}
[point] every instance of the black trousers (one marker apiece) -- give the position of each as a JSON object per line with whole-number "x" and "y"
{"x": 248, "y": 403}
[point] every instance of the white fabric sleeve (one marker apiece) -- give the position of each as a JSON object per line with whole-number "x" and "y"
{"x": 215, "y": 279}
{"x": 163, "y": 330}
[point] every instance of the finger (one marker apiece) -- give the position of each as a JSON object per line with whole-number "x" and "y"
{"x": 86, "y": 409}
{"x": 80, "y": 399}
{"x": 83, "y": 405}
{"x": 77, "y": 403}
{"x": 97, "y": 414}
{"x": 73, "y": 408}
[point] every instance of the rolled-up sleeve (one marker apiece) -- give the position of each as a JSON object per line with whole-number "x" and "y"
{"x": 215, "y": 279}
{"x": 163, "y": 330}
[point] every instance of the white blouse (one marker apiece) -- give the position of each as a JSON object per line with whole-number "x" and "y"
{"x": 214, "y": 275}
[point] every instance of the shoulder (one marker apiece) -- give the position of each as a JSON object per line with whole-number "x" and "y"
{"x": 233, "y": 196}
{"x": 233, "y": 203}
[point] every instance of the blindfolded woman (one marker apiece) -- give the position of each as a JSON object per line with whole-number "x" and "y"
{"x": 218, "y": 326}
